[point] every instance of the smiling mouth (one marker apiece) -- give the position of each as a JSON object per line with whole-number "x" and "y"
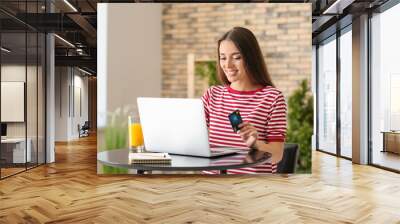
{"x": 231, "y": 72}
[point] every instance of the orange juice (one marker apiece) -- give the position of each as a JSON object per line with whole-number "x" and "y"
{"x": 136, "y": 135}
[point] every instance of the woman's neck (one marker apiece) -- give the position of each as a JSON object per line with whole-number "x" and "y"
{"x": 245, "y": 86}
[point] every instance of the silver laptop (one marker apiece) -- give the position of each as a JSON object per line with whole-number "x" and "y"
{"x": 176, "y": 126}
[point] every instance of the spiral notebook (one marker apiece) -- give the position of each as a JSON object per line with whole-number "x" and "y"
{"x": 148, "y": 157}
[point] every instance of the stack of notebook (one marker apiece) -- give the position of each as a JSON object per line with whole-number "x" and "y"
{"x": 147, "y": 157}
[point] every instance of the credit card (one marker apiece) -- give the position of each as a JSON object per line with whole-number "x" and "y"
{"x": 235, "y": 120}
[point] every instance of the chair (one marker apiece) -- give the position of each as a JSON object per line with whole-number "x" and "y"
{"x": 84, "y": 130}
{"x": 289, "y": 159}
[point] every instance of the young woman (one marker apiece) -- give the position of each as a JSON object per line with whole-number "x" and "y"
{"x": 247, "y": 86}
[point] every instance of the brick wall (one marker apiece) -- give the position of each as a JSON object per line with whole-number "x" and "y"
{"x": 283, "y": 32}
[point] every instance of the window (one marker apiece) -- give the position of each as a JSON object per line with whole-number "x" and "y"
{"x": 327, "y": 95}
{"x": 22, "y": 65}
{"x": 385, "y": 84}
{"x": 346, "y": 93}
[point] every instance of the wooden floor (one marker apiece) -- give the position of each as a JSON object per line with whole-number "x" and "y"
{"x": 10, "y": 171}
{"x": 70, "y": 191}
{"x": 386, "y": 159}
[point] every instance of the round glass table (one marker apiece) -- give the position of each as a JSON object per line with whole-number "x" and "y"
{"x": 245, "y": 158}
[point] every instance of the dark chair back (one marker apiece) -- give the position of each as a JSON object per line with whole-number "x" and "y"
{"x": 86, "y": 126}
{"x": 289, "y": 159}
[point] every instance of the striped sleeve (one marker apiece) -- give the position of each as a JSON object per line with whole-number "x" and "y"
{"x": 205, "y": 98}
{"x": 276, "y": 126}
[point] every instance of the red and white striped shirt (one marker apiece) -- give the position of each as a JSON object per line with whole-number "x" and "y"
{"x": 264, "y": 108}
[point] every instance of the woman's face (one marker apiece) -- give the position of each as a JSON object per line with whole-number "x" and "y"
{"x": 231, "y": 62}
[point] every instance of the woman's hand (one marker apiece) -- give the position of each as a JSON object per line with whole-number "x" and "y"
{"x": 248, "y": 133}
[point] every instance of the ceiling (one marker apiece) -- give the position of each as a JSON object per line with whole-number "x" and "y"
{"x": 332, "y": 15}
{"x": 76, "y": 22}
{"x": 77, "y": 25}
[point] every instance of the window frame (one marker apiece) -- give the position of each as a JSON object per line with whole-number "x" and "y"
{"x": 379, "y": 10}
{"x": 334, "y": 37}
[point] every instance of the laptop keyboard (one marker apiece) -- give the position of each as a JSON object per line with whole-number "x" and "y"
{"x": 217, "y": 150}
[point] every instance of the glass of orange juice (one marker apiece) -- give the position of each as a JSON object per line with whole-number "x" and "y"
{"x": 136, "y": 142}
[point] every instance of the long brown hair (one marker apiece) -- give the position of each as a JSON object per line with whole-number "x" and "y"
{"x": 247, "y": 44}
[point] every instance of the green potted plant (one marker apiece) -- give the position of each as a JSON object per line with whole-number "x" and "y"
{"x": 116, "y": 136}
{"x": 300, "y": 124}
{"x": 207, "y": 70}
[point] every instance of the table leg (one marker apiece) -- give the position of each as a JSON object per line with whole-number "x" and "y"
{"x": 223, "y": 172}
